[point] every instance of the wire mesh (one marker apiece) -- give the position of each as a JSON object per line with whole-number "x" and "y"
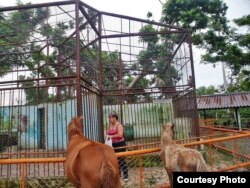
{"x": 66, "y": 59}
{"x": 147, "y": 169}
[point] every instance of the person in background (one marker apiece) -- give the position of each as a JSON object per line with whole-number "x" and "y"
{"x": 115, "y": 132}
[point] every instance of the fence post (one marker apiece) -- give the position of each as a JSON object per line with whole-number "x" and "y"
{"x": 140, "y": 168}
{"x": 211, "y": 153}
{"x": 23, "y": 174}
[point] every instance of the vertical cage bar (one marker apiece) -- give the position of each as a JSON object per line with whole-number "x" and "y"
{"x": 195, "y": 111}
{"x": 78, "y": 62}
{"x": 100, "y": 97}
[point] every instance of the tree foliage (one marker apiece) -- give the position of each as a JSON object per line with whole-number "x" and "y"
{"x": 236, "y": 53}
{"x": 204, "y": 18}
{"x": 206, "y": 90}
{"x": 21, "y": 21}
{"x": 207, "y": 21}
{"x": 155, "y": 57}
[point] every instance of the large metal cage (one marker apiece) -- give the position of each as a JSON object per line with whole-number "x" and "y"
{"x": 64, "y": 59}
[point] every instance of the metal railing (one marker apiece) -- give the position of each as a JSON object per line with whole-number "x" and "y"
{"x": 142, "y": 156}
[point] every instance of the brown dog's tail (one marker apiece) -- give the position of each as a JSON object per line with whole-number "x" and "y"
{"x": 108, "y": 176}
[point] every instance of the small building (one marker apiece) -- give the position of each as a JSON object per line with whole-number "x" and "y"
{"x": 225, "y": 101}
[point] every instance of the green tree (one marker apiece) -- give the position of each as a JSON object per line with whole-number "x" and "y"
{"x": 204, "y": 18}
{"x": 207, "y": 21}
{"x": 236, "y": 53}
{"x": 21, "y": 21}
{"x": 206, "y": 90}
{"x": 34, "y": 93}
{"x": 153, "y": 57}
{"x": 23, "y": 27}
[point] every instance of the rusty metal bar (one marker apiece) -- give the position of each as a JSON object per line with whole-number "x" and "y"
{"x": 121, "y": 154}
{"x": 140, "y": 169}
{"x": 241, "y": 165}
{"x": 89, "y": 7}
{"x": 211, "y": 151}
{"x": 100, "y": 76}
{"x": 30, "y": 6}
{"x": 33, "y": 153}
{"x": 232, "y": 152}
{"x": 78, "y": 62}
{"x": 71, "y": 55}
{"x": 23, "y": 175}
{"x": 176, "y": 50}
{"x": 93, "y": 90}
{"x": 43, "y": 47}
{"x": 201, "y": 137}
{"x": 38, "y": 79}
{"x": 41, "y": 86}
{"x": 217, "y": 139}
{"x": 100, "y": 68}
{"x": 197, "y": 127}
{"x": 117, "y": 92}
{"x": 141, "y": 20}
{"x": 56, "y": 160}
{"x": 133, "y": 92}
{"x": 74, "y": 32}
{"x": 192, "y": 61}
{"x": 33, "y": 160}
{"x": 89, "y": 20}
{"x": 140, "y": 34}
{"x": 223, "y": 129}
{"x": 151, "y": 150}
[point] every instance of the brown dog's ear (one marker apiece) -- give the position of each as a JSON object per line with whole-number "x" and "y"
{"x": 173, "y": 125}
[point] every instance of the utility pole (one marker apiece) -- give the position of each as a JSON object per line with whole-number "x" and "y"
{"x": 224, "y": 76}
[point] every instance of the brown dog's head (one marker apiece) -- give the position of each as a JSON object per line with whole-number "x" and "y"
{"x": 168, "y": 130}
{"x": 75, "y": 126}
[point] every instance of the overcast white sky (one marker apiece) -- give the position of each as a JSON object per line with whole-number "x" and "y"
{"x": 205, "y": 74}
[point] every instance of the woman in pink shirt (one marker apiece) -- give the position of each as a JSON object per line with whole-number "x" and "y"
{"x": 115, "y": 132}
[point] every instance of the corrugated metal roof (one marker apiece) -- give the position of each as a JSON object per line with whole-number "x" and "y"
{"x": 226, "y": 100}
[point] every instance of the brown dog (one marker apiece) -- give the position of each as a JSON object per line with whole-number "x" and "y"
{"x": 90, "y": 164}
{"x": 178, "y": 158}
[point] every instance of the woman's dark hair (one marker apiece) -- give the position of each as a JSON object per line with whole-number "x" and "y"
{"x": 113, "y": 114}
